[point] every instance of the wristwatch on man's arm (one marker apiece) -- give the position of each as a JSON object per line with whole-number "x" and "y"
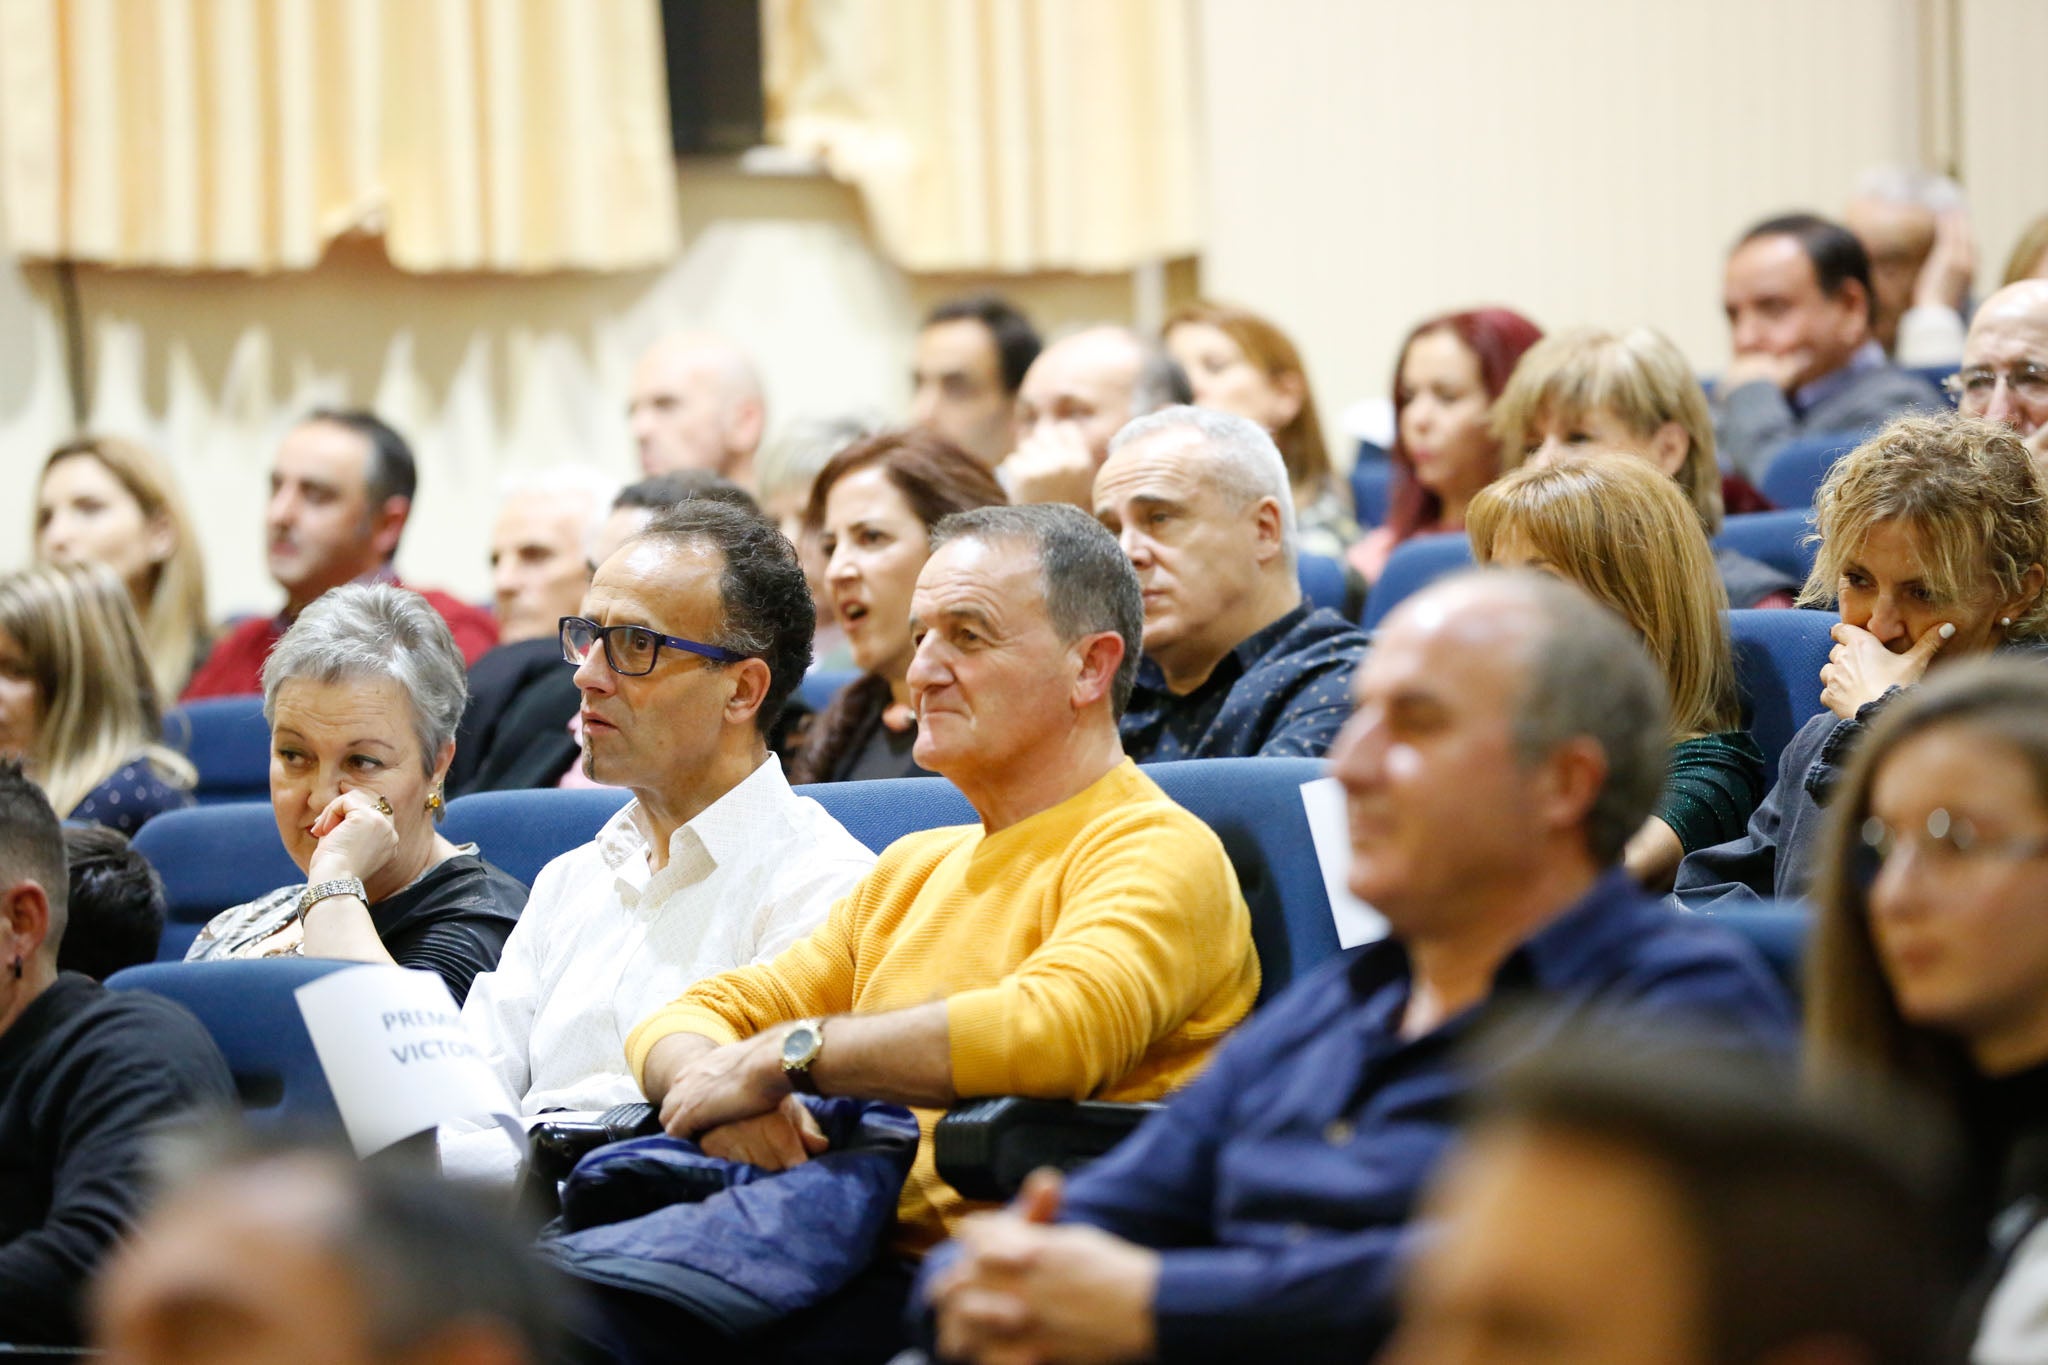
{"x": 800, "y": 1049}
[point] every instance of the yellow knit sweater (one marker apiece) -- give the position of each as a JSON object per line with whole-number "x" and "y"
{"x": 1096, "y": 950}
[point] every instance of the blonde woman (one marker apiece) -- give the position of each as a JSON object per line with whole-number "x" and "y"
{"x": 103, "y": 500}
{"x": 1615, "y": 526}
{"x": 1632, "y": 392}
{"x": 76, "y": 701}
{"x": 1934, "y": 534}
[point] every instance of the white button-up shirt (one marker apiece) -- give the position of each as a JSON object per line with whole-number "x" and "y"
{"x": 604, "y": 941}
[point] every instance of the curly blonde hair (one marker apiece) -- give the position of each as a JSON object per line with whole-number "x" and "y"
{"x": 1971, "y": 492}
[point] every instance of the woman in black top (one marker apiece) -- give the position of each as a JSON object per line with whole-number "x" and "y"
{"x": 874, "y": 505}
{"x": 363, "y": 694}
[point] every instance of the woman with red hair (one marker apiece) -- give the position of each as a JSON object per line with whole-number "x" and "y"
{"x": 1452, "y": 369}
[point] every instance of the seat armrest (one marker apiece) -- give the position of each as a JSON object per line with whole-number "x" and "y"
{"x": 984, "y": 1148}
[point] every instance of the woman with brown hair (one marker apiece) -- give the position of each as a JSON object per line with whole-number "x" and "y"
{"x": 1617, "y": 527}
{"x": 1237, "y": 362}
{"x": 1929, "y": 965}
{"x": 1934, "y": 534}
{"x": 103, "y": 500}
{"x": 873, "y": 506}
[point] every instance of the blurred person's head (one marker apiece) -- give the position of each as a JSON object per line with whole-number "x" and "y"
{"x": 1588, "y": 389}
{"x": 2004, "y": 374}
{"x": 1097, "y": 380}
{"x": 77, "y": 701}
{"x": 1930, "y": 955}
{"x": 341, "y": 489}
{"x": 34, "y": 891}
{"x": 1238, "y": 362}
{"x": 1894, "y": 215}
{"x": 1935, "y": 520}
{"x": 784, "y": 475}
{"x": 1664, "y": 1204}
{"x": 707, "y": 625}
{"x": 696, "y": 404}
{"x": 972, "y": 355}
{"x": 2029, "y": 259}
{"x": 103, "y": 500}
{"x": 117, "y": 904}
{"x": 540, "y": 547}
{"x": 1200, "y": 502}
{"x": 1027, "y": 624}
{"x": 1614, "y": 526}
{"x": 1450, "y": 371}
{"x": 308, "y": 1257}
{"x": 638, "y": 502}
{"x": 1510, "y": 736}
{"x": 1798, "y": 287}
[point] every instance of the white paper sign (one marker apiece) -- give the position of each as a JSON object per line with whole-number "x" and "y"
{"x": 1330, "y": 828}
{"x": 396, "y": 1055}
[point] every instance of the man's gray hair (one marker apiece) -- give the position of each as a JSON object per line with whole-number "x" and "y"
{"x": 367, "y": 631}
{"x": 1238, "y": 456}
{"x": 565, "y": 481}
{"x": 1089, "y": 583}
{"x": 1587, "y": 673}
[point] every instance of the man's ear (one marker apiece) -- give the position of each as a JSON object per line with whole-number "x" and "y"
{"x": 745, "y": 424}
{"x": 750, "y": 679}
{"x": 24, "y": 921}
{"x": 1101, "y": 654}
{"x": 1573, "y": 776}
{"x": 1855, "y": 301}
{"x": 1270, "y": 524}
{"x": 1669, "y": 445}
{"x": 387, "y": 524}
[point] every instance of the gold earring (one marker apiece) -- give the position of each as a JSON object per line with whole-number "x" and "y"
{"x": 434, "y": 801}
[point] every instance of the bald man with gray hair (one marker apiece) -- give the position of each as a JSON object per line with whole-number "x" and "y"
{"x": 1236, "y": 663}
{"x": 697, "y": 404}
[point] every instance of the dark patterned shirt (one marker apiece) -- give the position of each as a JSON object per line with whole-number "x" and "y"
{"x": 127, "y": 799}
{"x": 1283, "y": 693}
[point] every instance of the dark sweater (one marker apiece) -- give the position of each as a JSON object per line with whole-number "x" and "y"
{"x": 85, "y": 1076}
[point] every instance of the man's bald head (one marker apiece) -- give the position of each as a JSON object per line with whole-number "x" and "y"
{"x": 696, "y": 403}
{"x": 1099, "y": 379}
{"x": 2005, "y": 362}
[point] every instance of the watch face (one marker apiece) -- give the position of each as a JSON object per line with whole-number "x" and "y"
{"x": 799, "y": 1046}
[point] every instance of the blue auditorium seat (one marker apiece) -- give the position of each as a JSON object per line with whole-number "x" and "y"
{"x": 210, "y": 858}
{"x": 523, "y": 831}
{"x": 1322, "y": 581}
{"x": 228, "y": 742}
{"x": 1778, "y": 658}
{"x": 1935, "y": 374}
{"x": 1372, "y": 480}
{"x": 1778, "y": 930}
{"x": 818, "y": 688}
{"x": 1776, "y": 538}
{"x": 1796, "y": 471}
{"x": 250, "y": 1010}
{"x": 881, "y": 812}
{"x": 1414, "y": 565}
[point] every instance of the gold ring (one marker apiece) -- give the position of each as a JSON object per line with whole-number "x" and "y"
{"x": 383, "y": 805}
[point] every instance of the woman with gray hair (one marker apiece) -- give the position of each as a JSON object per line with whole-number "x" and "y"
{"x": 363, "y": 694}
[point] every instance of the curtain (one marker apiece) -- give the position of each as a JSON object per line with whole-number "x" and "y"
{"x": 998, "y": 135}
{"x": 497, "y": 135}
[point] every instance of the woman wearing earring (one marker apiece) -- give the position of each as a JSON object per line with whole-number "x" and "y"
{"x": 363, "y": 694}
{"x": 1934, "y": 534}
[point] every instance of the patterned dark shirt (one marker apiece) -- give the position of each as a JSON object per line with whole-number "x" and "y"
{"x": 1283, "y": 693}
{"x": 127, "y": 799}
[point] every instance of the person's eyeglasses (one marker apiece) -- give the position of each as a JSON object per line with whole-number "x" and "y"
{"x": 1947, "y": 839}
{"x": 631, "y": 650}
{"x": 1974, "y": 387}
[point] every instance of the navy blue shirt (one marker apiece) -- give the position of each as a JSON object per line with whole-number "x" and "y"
{"x": 127, "y": 799}
{"x": 1282, "y": 693}
{"x": 1281, "y": 1182}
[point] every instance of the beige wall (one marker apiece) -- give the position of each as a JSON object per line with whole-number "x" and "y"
{"x": 1586, "y": 161}
{"x": 484, "y": 373}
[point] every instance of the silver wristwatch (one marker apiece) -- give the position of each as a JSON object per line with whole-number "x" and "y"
{"x": 336, "y": 886}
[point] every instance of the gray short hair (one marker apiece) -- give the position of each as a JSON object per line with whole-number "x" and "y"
{"x": 1090, "y": 585}
{"x": 1587, "y": 673}
{"x": 376, "y": 630}
{"x": 1239, "y": 455}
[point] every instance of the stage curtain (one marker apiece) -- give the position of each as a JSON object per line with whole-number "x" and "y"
{"x": 470, "y": 135}
{"x": 998, "y": 135}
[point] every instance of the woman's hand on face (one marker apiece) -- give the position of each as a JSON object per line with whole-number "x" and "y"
{"x": 1860, "y": 669}
{"x": 357, "y": 837}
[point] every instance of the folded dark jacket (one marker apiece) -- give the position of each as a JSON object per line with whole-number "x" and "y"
{"x": 736, "y": 1246}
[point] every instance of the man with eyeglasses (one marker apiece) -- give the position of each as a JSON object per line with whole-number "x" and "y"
{"x": 2004, "y": 377}
{"x": 693, "y": 634}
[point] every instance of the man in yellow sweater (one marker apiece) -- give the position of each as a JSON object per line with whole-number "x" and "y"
{"x": 1086, "y": 940}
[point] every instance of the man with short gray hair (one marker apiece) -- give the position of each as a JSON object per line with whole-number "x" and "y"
{"x": 1236, "y": 664}
{"x": 1509, "y": 736}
